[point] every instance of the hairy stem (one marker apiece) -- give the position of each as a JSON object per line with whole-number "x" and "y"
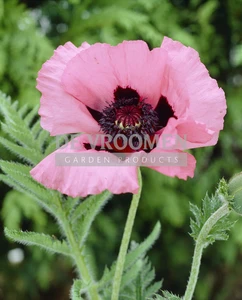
{"x": 125, "y": 241}
{"x": 79, "y": 258}
{"x": 200, "y": 244}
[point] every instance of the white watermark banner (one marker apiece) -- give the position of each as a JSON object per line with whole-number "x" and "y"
{"x": 121, "y": 159}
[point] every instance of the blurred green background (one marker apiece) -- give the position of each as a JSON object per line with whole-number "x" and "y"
{"x": 29, "y": 32}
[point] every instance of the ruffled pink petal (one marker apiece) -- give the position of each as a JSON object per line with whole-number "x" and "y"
{"x": 175, "y": 90}
{"x": 84, "y": 180}
{"x": 84, "y": 46}
{"x": 93, "y": 75}
{"x": 182, "y": 172}
{"x": 186, "y": 134}
{"x": 141, "y": 69}
{"x": 194, "y": 132}
{"x": 60, "y": 112}
{"x": 206, "y": 101}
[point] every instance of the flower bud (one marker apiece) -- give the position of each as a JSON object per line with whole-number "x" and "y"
{"x": 235, "y": 190}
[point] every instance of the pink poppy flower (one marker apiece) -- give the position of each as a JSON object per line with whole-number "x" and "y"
{"x": 125, "y": 89}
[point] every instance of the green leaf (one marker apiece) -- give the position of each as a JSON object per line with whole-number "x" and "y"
{"x": 36, "y": 129}
{"x": 153, "y": 288}
{"x": 30, "y": 116}
{"x": 53, "y": 144}
{"x": 135, "y": 284}
{"x": 142, "y": 248}
{"x": 131, "y": 275}
{"x": 23, "y": 110}
{"x": 18, "y": 206}
{"x": 76, "y": 290}
{"x": 27, "y": 154}
{"x": 38, "y": 239}
{"x": 28, "y": 141}
{"x": 69, "y": 205}
{"x": 133, "y": 255}
{"x": 167, "y": 296}
{"x": 19, "y": 177}
{"x": 137, "y": 281}
{"x": 14, "y": 124}
{"x": 85, "y": 213}
{"x": 42, "y": 138}
{"x": 144, "y": 285}
{"x": 209, "y": 206}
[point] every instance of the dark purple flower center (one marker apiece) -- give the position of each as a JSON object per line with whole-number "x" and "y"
{"x": 129, "y": 115}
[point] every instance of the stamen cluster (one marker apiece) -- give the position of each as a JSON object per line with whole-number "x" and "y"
{"x": 129, "y": 115}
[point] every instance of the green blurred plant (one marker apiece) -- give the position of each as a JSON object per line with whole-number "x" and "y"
{"x": 23, "y": 51}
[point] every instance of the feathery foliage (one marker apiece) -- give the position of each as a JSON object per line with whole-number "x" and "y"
{"x": 31, "y": 143}
{"x": 209, "y": 206}
{"x": 17, "y": 206}
{"x": 82, "y": 217}
{"x": 137, "y": 282}
{"x": 23, "y": 51}
{"x": 167, "y": 296}
{"x": 76, "y": 290}
{"x": 25, "y": 139}
{"x": 41, "y": 240}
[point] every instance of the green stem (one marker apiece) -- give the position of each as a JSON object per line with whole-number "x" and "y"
{"x": 84, "y": 273}
{"x": 78, "y": 257}
{"x": 200, "y": 244}
{"x": 125, "y": 241}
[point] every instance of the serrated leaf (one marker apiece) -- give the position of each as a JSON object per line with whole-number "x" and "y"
{"x": 27, "y": 154}
{"x": 54, "y": 144}
{"x": 18, "y": 126}
{"x": 38, "y": 239}
{"x": 18, "y": 135}
{"x": 19, "y": 177}
{"x": 23, "y": 110}
{"x": 167, "y": 296}
{"x": 142, "y": 248}
{"x": 196, "y": 213}
{"x": 76, "y": 290}
{"x": 17, "y": 206}
{"x": 85, "y": 213}
{"x": 42, "y": 138}
{"x": 36, "y": 129}
{"x": 69, "y": 205}
{"x": 14, "y": 124}
{"x": 132, "y": 255}
{"x": 209, "y": 206}
{"x": 30, "y": 116}
{"x": 140, "y": 288}
{"x": 137, "y": 281}
{"x": 152, "y": 289}
{"x": 148, "y": 274}
{"x": 129, "y": 276}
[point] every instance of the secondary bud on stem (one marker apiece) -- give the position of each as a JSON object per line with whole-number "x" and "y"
{"x": 235, "y": 190}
